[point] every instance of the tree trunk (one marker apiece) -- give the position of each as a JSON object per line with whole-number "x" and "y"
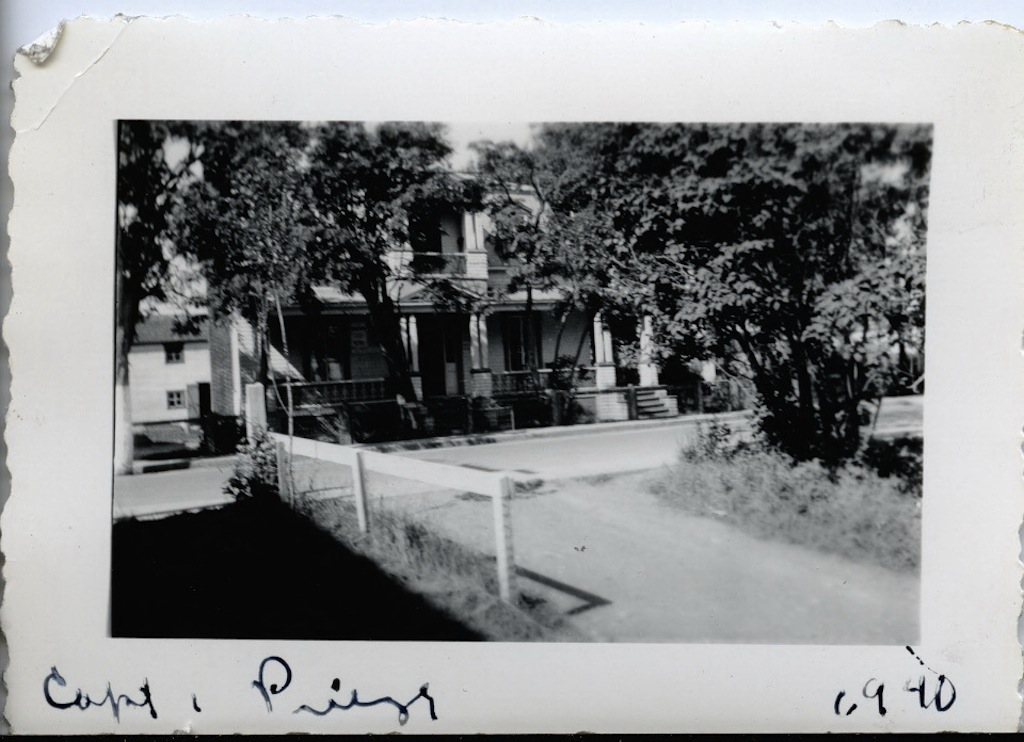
{"x": 563, "y": 320}
{"x": 124, "y": 334}
{"x": 385, "y": 320}
{"x": 528, "y": 338}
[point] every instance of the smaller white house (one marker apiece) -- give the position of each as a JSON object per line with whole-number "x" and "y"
{"x": 169, "y": 372}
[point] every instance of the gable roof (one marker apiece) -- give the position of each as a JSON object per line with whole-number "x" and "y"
{"x": 158, "y": 328}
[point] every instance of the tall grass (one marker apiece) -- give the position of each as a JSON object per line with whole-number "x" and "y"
{"x": 453, "y": 578}
{"x": 852, "y": 510}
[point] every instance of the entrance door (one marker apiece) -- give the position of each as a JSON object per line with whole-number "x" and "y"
{"x": 441, "y": 355}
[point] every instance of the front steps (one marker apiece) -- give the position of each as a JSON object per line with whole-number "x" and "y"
{"x": 652, "y": 404}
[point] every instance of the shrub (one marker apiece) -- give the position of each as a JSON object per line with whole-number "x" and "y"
{"x": 849, "y": 510}
{"x": 255, "y": 471}
{"x": 899, "y": 458}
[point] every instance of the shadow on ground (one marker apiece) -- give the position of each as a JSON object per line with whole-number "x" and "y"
{"x": 256, "y": 570}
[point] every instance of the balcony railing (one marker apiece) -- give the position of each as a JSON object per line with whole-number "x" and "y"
{"x": 458, "y": 264}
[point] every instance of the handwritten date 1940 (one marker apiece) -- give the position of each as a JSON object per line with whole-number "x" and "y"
{"x": 940, "y": 694}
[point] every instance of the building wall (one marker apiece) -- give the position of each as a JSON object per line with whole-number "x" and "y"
{"x": 151, "y": 377}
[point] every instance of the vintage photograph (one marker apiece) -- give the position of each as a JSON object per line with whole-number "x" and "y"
{"x": 557, "y": 382}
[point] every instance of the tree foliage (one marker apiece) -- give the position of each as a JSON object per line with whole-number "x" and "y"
{"x": 797, "y": 250}
{"x": 366, "y": 187}
{"x": 269, "y": 209}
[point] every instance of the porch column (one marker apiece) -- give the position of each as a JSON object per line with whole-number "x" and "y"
{"x": 485, "y": 346}
{"x": 412, "y": 342}
{"x": 412, "y": 348}
{"x": 604, "y": 366}
{"x": 647, "y": 368}
{"x": 474, "y": 342}
{"x": 599, "y": 355}
{"x": 483, "y": 382}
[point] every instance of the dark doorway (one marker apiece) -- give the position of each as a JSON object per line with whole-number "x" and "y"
{"x": 441, "y": 364}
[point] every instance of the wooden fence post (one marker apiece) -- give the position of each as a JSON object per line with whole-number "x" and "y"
{"x": 255, "y": 409}
{"x": 359, "y": 490}
{"x": 284, "y": 479}
{"x": 503, "y": 537}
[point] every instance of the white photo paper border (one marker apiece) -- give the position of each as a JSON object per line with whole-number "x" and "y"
{"x": 965, "y": 81}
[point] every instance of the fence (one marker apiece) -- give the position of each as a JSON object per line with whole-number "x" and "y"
{"x": 496, "y": 485}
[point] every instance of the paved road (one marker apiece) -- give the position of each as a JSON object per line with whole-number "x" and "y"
{"x": 170, "y": 491}
{"x": 596, "y": 450}
{"x": 587, "y": 453}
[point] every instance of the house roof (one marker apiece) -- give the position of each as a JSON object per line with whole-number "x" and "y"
{"x": 157, "y": 329}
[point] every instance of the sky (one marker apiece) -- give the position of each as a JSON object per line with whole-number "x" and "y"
{"x": 463, "y": 133}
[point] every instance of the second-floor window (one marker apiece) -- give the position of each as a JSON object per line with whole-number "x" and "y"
{"x": 174, "y": 352}
{"x": 435, "y": 230}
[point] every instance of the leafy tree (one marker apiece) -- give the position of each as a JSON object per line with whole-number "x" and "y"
{"x": 149, "y": 187}
{"x": 798, "y": 248}
{"x": 793, "y": 252}
{"x": 246, "y": 222}
{"x": 548, "y": 235}
{"x": 366, "y": 186}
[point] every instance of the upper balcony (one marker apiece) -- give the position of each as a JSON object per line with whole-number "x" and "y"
{"x": 416, "y": 263}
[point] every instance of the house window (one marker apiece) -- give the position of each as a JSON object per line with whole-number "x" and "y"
{"x": 174, "y": 352}
{"x": 175, "y": 400}
{"x": 518, "y": 355}
{"x": 435, "y": 229}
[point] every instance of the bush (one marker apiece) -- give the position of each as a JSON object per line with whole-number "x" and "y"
{"x": 900, "y": 458}
{"x": 849, "y": 510}
{"x": 255, "y": 471}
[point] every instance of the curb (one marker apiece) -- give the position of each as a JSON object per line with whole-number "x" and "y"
{"x": 550, "y": 432}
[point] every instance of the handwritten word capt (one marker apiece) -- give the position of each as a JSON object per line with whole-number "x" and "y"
{"x": 276, "y": 669}
{"x": 83, "y": 701}
{"x": 936, "y": 692}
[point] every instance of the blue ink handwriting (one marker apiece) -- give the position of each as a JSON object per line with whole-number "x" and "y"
{"x": 83, "y": 701}
{"x": 275, "y": 668}
{"x": 942, "y": 695}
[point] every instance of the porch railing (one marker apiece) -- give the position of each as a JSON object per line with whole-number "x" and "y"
{"x": 308, "y": 393}
{"x": 520, "y": 382}
{"x": 531, "y": 382}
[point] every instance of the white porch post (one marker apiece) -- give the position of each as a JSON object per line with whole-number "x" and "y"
{"x": 482, "y": 381}
{"x": 647, "y": 368}
{"x": 474, "y": 342}
{"x": 412, "y": 342}
{"x": 485, "y": 347}
{"x": 599, "y": 356}
{"x": 609, "y": 353}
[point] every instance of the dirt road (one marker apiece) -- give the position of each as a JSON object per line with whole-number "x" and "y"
{"x": 628, "y": 567}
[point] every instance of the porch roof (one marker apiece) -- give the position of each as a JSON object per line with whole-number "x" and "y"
{"x": 416, "y": 298}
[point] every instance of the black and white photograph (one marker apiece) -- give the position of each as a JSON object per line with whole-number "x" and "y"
{"x": 549, "y": 382}
{"x": 521, "y": 377}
